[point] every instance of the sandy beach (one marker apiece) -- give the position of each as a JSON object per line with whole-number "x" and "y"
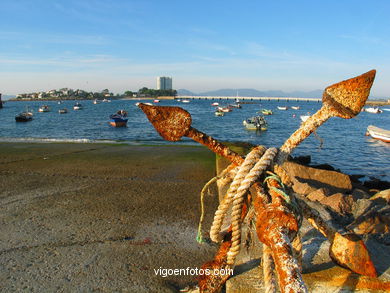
{"x": 101, "y": 218}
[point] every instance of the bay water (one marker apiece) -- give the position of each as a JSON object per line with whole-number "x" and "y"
{"x": 339, "y": 142}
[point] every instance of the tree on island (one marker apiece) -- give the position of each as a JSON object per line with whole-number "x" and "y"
{"x": 156, "y": 93}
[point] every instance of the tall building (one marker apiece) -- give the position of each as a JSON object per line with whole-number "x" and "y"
{"x": 164, "y": 83}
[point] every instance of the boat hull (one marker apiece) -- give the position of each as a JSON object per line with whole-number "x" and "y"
{"x": 118, "y": 122}
{"x": 378, "y": 133}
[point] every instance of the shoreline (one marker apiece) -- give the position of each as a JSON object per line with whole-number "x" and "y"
{"x": 98, "y": 217}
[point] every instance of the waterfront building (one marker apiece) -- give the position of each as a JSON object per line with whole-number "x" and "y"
{"x": 164, "y": 83}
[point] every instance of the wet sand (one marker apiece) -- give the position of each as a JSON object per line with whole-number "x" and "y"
{"x": 101, "y": 218}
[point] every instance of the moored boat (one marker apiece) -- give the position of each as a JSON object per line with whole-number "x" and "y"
{"x": 374, "y": 110}
{"x": 215, "y": 104}
{"x": 77, "y": 106}
{"x": 378, "y": 133}
{"x": 304, "y": 117}
{"x": 119, "y": 119}
{"x": 24, "y": 116}
{"x": 266, "y": 112}
{"x": 44, "y": 108}
{"x": 224, "y": 109}
{"x": 185, "y": 101}
{"x": 219, "y": 113}
{"x": 255, "y": 123}
{"x": 295, "y": 107}
{"x": 282, "y": 108}
{"x": 63, "y": 111}
{"x": 96, "y": 101}
{"x": 156, "y": 101}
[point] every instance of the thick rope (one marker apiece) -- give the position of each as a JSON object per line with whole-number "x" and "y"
{"x": 238, "y": 200}
{"x": 268, "y": 270}
{"x": 248, "y": 163}
{"x": 226, "y": 175}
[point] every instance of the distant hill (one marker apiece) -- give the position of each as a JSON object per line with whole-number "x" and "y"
{"x": 252, "y": 93}
{"x": 7, "y": 97}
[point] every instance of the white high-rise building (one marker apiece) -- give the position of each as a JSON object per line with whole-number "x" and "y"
{"x": 164, "y": 83}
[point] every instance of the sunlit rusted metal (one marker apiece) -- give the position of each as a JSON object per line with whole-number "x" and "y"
{"x": 276, "y": 223}
{"x": 276, "y": 226}
{"x": 347, "y": 249}
{"x": 172, "y": 123}
{"x": 344, "y": 99}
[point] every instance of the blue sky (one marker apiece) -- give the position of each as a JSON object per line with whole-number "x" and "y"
{"x": 203, "y": 45}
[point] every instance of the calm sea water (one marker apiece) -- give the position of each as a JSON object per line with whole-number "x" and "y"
{"x": 344, "y": 144}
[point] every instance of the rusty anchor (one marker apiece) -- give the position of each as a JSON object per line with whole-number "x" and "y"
{"x": 172, "y": 123}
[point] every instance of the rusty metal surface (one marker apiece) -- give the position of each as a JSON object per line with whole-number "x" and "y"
{"x": 347, "y": 98}
{"x": 347, "y": 249}
{"x": 278, "y": 221}
{"x": 344, "y": 99}
{"x": 172, "y": 123}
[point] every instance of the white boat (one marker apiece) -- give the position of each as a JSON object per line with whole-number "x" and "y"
{"x": 156, "y": 101}
{"x": 378, "y": 133}
{"x": 63, "y": 111}
{"x": 295, "y": 107}
{"x": 386, "y": 109}
{"x": 374, "y": 110}
{"x": 44, "y": 108}
{"x": 77, "y": 106}
{"x": 282, "y": 108}
{"x": 304, "y": 117}
{"x": 185, "y": 101}
{"x": 96, "y": 101}
{"x": 215, "y": 104}
{"x": 224, "y": 109}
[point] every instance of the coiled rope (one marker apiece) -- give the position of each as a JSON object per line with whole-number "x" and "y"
{"x": 238, "y": 200}
{"x": 223, "y": 207}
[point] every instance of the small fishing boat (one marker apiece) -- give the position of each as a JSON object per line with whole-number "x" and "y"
{"x": 215, "y": 104}
{"x": 235, "y": 106}
{"x": 374, "y": 110}
{"x": 119, "y": 119}
{"x": 304, "y": 117}
{"x": 283, "y": 108}
{"x": 156, "y": 101}
{"x": 219, "y": 113}
{"x": 106, "y": 101}
{"x": 255, "y": 123}
{"x": 266, "y": 112}
{"x": 295, "y": 107}
{"x": 185, "y": 101}
{"x": 77, "y": 106}
{"x": 386, "y": 109}
{"x": 96, "y": 101}
{"x": 224, "y": 109}
{"x": 24, "y": 116}
{"x": 63, "y": 111}
{"x": 44, "y": 108}
{"x": 378, "y": 133}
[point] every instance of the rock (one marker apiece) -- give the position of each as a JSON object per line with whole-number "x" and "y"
{"x": 358, "y": 193}
{"x": 308, "y": 179}
{"x": 376, "y": 220}
{"x": 339, "y": 202}
{"x": 362, "y": 206}
{"x": 318, "y": 195}
{"x": 375, "y": 183}
{"x": 383, "y": 195}
{"x": 303, "y": 160}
